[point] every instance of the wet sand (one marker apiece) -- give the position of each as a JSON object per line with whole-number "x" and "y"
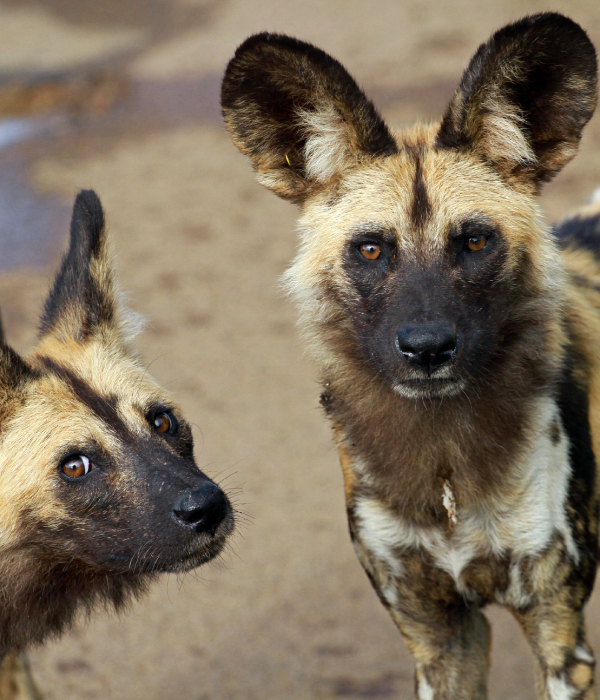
{"x": 287, "y": 613}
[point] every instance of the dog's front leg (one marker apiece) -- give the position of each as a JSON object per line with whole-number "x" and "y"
{"x": 449, "y": 639}
{"x": 16, "y": 682}
{"x": 565, "y": 661}
{"x": 452, "y": 657}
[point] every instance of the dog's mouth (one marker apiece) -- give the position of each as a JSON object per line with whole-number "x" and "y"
{"x": 429, "y": 387}
{"x": 200, "y": 549}
{"x": 193, "y": 559}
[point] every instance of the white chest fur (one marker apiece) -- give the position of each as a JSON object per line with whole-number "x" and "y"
{"x": 520, "y": 523}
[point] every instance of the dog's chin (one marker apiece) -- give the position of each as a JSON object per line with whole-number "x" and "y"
{"x": 197, "y": 558}
{"x": 199, "y": 550}
{"x": 429, "y": 388}
{"x": 185, "y": 561}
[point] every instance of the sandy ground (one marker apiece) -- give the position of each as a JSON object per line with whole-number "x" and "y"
{"x": 288, "y": 613}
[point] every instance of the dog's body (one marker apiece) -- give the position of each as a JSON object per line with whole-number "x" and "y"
{"x": 99, "y": 490}
{"x": 458, "y": 339}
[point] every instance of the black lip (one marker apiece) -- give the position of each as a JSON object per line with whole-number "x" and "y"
{"x": 198, "y": 557}
{"x": 429, "y": 380}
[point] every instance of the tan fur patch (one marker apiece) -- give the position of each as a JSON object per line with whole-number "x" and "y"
{"x": 345, "y": 463}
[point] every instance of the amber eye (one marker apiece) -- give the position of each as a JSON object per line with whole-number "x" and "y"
{"x": 476, "y": 243}
{"x": 162, "y": 422}
{"x": 370, "y": 251}
{"x": 77, "y": 466}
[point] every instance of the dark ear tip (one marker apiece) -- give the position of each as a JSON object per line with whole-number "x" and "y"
{"x": 253, "y": 50}
{"x": 555, "y": 19}
{"x": 260, "y": 52}
{"x": 563, "y": 34}
{"x": 262, "y": 39}
{"x": 87, "y": 223}
{"x": 88, "y": 203}
{"x": 551, "y": 22}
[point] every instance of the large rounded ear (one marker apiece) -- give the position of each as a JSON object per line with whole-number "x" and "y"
{"x": 297, "y": 114}
{"x": 83, "y": 301}
{"x": 525, "y": 98}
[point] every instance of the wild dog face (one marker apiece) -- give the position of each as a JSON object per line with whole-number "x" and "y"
{"x": 98, "y": 484}
{"x": 422, "y": 256}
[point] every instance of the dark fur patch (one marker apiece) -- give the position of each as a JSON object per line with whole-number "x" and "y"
{"x": 82, "y": 286}
{"x": 104, "y": 407}
{"x": 54, "y": 592}
{"x": 326, "y": 401}
{"x": 581, "y": 232}
{"x": 369, "y": 276}
{"x": 582, "y": 504}
{"x": 421, "y": 207}
{"x": 407, "y": 477}
{"x": 13, "y": 371}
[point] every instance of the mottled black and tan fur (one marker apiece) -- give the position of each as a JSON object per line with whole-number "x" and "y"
{"x": 458, "y": 337}
{"x": 99, "y": 491}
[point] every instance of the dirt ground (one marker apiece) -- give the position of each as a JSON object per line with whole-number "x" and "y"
{"x": 288, "y": 613}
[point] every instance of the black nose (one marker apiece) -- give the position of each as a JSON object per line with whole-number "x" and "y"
{"x": 429, "y": 346}
{"x": 203, "y": 509}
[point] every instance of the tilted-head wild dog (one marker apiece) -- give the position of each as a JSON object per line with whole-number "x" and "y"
{"x": 99, "y": 490}
{"x": 457, "y": 337}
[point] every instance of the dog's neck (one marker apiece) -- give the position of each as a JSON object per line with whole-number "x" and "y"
{"x": 44, "y": 598}
{"x": 428, "y": 457}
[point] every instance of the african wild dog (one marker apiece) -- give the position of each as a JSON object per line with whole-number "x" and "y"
{"x": 457, "y": 338}
{"x": 99, "y": 490}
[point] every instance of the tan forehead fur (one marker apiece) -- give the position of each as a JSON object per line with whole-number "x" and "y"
{"x": 379, "y": 193}
{"x": 107, "y": 367}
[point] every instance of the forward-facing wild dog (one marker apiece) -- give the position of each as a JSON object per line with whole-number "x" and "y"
{"x": 458, "y": 338}
{"x": 99, "y": 490}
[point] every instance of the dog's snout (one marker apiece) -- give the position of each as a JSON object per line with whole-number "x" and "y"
{"x": 428, "y": 346}
{"x": 203, "y": 509}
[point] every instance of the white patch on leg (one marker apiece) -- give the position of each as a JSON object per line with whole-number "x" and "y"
{"x": 582, "y": 654}
{"x": 424, "y": 690}
{"x": 378, "y": 532}
{"x": 560, "y": 689}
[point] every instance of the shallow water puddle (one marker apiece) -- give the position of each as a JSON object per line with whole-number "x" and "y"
{"x": 33, "y": 225}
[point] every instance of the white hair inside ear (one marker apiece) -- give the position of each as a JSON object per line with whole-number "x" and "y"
{"x": 131, "y": 323}
{"x": 328, "y": 144}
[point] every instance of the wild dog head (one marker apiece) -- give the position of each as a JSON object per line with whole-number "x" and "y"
{"x": 422, "y": 259}
{"x": 99, "y": 489}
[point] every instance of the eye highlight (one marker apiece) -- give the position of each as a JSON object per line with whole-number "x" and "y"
{"x": 370, "y": 251}
{"x": 475, "y": 243}
{"x": 77, "y": 466}
{"x": 162, "y": 422}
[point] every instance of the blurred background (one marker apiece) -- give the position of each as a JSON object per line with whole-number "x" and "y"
{"x": 122, "y": 96}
